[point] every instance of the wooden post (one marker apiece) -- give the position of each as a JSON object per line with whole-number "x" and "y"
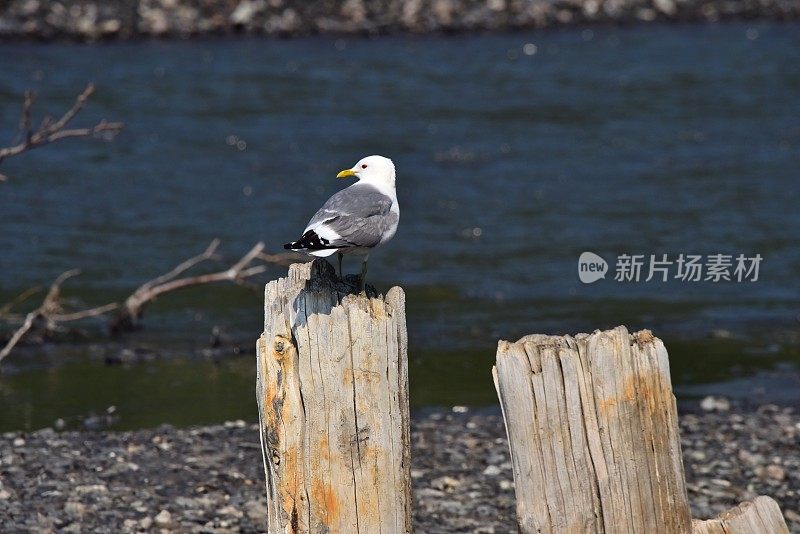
{"x": 332, "y": 393}
{"x": 593, "y": 431}
{"x": 762, "y": 515}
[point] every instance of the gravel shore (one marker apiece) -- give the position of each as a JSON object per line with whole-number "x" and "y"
{"x": 123, "y": 19}
{"x": 209, "y": 479}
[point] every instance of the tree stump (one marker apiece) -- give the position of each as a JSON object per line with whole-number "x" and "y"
{"x": 593, "y": 430}
{"x": 595, "y": 448}
{"x": 332, "y": 392}
{"x": 762, "y": 515}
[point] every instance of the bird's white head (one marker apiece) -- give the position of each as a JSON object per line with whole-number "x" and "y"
{"x": 372, "y": 169}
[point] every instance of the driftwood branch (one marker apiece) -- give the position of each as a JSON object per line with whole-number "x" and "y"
{"x": 284, "y": 258}
{"x": 5, "y": 310}
{"x": 50, "y": 312}
{"x": 84, "y": 314}
{"x": 131, "y": 311}
{"x": 51, "y": 130}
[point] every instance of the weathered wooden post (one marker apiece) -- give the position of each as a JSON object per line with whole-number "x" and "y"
{"x": 762, "y": 515}
{"x": 332, "y": 392}
{"x": 593, "y": 431}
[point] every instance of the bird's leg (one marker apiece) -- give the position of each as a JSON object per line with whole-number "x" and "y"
{"x": 340, "y": 263}
{"x": 363, "y": 274}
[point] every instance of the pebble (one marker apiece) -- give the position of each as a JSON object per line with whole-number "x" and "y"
{"x": 75, "y": 510}
{"x": 256, "y": 510}
{"x": 697, "y": 456}
{"x": 91, "y": 488}
{"x": 429, "y": 493}
{"x": 792, "y": 516}
{"x": 163, "y": 518}
{"x": 230, "y": 510}
{"x": 445, "y": 483}
{"x": 491, "y": 471}
{"x": 749, "y": 458}
{"x": 772, "y": 471}
{"x": 718, "y": 404}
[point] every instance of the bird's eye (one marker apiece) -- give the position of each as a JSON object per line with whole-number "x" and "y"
{"x": 364, "y": 166}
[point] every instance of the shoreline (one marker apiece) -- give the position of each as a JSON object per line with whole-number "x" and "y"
{"x": 97, "y": 20}
{"x": 202, "y": 479}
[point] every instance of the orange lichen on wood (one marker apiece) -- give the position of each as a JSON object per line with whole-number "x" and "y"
{"x": 638, "y": 388}
{"x": 324, "y": 501}
{"x": 604, "y": 404}
{"x": 289, "y": 490}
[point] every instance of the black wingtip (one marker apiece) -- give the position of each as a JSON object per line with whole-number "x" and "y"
{"x": 309, "y": 241}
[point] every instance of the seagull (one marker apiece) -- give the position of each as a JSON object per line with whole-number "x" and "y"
{"x": 356, "y": 219}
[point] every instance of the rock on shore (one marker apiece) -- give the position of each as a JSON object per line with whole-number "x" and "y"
{"x": 210, "y": 479}
{"x": 106, "y": 19}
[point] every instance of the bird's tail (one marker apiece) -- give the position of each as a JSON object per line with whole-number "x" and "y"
{"x": 312, "y": 243}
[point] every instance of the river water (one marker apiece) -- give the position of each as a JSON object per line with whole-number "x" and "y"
{"x": 515, "y": 154}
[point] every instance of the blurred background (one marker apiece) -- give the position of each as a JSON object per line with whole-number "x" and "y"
{"x": 515, "y": 153}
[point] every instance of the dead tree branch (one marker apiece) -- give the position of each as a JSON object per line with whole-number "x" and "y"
{"x": 51, "y": 130}
{"x": 5, "y": 310}
{"x": 50, "y": 312}
{"x": 131, "y": 311}
{"x": 283, "y": 258}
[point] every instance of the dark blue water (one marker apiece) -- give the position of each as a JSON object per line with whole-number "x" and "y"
{"x": 648, "y": 140}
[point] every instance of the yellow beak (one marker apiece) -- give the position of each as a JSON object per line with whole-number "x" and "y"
{"x": 346, "y": 173}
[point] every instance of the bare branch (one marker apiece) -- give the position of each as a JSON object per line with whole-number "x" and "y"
{"x": 71, "y": 112}
{"x": 184, "y": 266}
{"x": 134, "y": 305}
{"x": 51, "y": 131}
{"x": 285, "y": 258}
{"x": 22, "y": 297}
{"x": 50, "y": 315}
{"x": 252, "y": 271}
{"x": 55, "y": 287}
{"x": 91, "y": 312}
{"x": 20, "y": 333}
{"x": 51, "y": 304}
{"x": 49, "y": 312}
{"x": 102, "y": 126}
{"x": 245, "y": 261}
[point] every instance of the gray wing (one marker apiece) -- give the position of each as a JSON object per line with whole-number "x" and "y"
{"x": 357, "y": 216}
